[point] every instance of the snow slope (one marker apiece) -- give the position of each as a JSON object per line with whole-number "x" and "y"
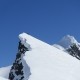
{"x": 47, "y": 62}
{"x": 59, "y": 47}
{"x": 1, "y": 78}
{"x": 4, "y": 71}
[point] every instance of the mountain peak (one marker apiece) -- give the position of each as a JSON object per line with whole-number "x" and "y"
{"x": 41, "y": 62}
{"x": 67, "y": 40}
{"x": 30, "y": 41}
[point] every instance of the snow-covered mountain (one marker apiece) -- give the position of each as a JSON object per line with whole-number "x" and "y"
{"x": 69, "y": 44}
{"x": 66, "y": 42}
{"x": 37, "y": 60}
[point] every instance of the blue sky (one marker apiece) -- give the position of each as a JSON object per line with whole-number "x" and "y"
{"x": 48, "y": 20}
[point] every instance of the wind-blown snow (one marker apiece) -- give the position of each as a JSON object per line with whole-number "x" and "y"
{"x": 47, "y": 62}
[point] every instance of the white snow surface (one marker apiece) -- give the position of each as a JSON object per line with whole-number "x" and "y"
{"x": 1, "y": 78}
{"x": 59, "y": 47}
{"x": 47, "y": 62}
{"x": 4, "y": 71}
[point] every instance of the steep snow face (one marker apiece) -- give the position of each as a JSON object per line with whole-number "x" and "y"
{"x": 4, "y": 71}
{"x": 29, "y": 41}
{"x": 47, "y": 62}
{"x": 67, "y": 41}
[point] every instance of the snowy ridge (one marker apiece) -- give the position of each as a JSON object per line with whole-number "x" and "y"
{"x": 33, "y": 42}
{"x": 45, "y": 62}
{"x": 49, "y": 63}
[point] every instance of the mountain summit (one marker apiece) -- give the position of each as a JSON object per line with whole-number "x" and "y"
{"x": 70, "y": 45}
{"x": 37, "y": 60}
{"x": 67, "y": 41}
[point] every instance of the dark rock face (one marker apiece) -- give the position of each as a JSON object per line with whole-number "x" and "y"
{"x": 16, "y": 72}
{"x": 74, "y": 51}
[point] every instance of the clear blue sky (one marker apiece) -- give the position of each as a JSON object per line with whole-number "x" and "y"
{"x": 48, "y": 20}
